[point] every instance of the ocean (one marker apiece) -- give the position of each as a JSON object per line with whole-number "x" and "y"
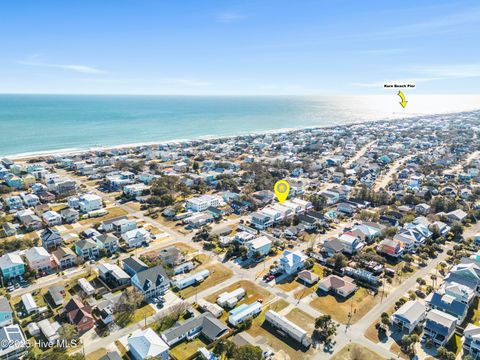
{"x": 46, "y": 123}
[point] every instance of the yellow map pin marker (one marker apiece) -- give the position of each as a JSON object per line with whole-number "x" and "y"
{"x": 282, "y": 189}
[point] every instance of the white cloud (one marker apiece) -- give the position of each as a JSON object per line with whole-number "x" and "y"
{"x": 35, "y": 60}
{"x": 229, "y": 17}
{"x": 449, "y": 71}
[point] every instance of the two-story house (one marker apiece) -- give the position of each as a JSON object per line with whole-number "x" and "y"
{"x": 11, "y": 266}
{"x": 439, "y": 327}
{"x": 151, "y": 282}
{"x": 51, "y": 238}
{"x": 38, "y": 259}
{"x": 109, "y": 242}
{"x": 292, "y": 262}
{"x": 87, "y": 249}
{"x": 64, "y": 258}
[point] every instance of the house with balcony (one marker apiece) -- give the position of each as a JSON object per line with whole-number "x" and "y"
{"x": 39, "y": 259}
{"x": 151, "y": 282}
{"x": 409, "y": 315}
{"x": 136, "y": 238}
{"x": 113, "y": 275}
{"x": 109, "y": 242}
{"x": 70, "y": 216}
{"x": 121, "y": 226}
{"x": 51, "y": 238}
{"x": 439, "y": 327}
{"x": 390, "y": 248}
{"x": 292, "y": 262}
{"x": 260, "y": 220}
{"x": 260, "y": 245}
{"x": 351, "y": 243}
{"x": 89, "y": 202}
{"x": 87, "y": 249}
{"x": 471, "y": 341}
{"x": 6, "y": 312}
{"x": 52, "y": 218}
{"x": 447, "y": 304}
{"x": 63, "y": 258}
{"x": 11, "y": 266}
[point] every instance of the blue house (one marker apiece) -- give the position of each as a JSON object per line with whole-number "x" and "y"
{"x": 6, "y": 313}
{"x": 449, "y": 305}
{"x": 15, "y": 182}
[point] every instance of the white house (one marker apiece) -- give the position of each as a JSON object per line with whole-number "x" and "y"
{"x": 351, "y": 243}
{"x": 244, "y": 312}
{"x": 261, "y": 245}
{"x": 146, "y": 344}
{"x": 471, "y": 343}
{"x": 29, "y": 303}
{"x": 123, "y": 225}
{"x": 135, "y": 190}
{"x": 202, "y": 203}
{"x": 90, "y": 202}
{"x": 52, "y": 218}
{"x": 136, "y": 237}
{"x": 292, "y": 262}
{"x": 410, "y": 315}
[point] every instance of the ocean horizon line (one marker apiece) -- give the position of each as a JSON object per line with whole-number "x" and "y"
{"x": 43, "y": 124}
{"x": 76, "y": 151}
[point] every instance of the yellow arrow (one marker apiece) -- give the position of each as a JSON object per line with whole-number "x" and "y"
{"x": 402, "y": 96}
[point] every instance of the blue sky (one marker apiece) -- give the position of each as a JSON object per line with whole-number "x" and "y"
{"x": 204, "y": 47}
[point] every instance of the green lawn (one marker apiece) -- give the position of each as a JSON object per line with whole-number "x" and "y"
{"x": 187, "y": 348}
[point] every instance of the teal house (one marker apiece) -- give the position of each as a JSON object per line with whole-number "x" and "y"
{"x": 11, "y": 265}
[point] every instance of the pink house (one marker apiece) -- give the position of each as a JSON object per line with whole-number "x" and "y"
{"x": 38, "y": 259}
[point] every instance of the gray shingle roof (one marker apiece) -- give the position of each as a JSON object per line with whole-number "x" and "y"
{"x": 211, "y": 327}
